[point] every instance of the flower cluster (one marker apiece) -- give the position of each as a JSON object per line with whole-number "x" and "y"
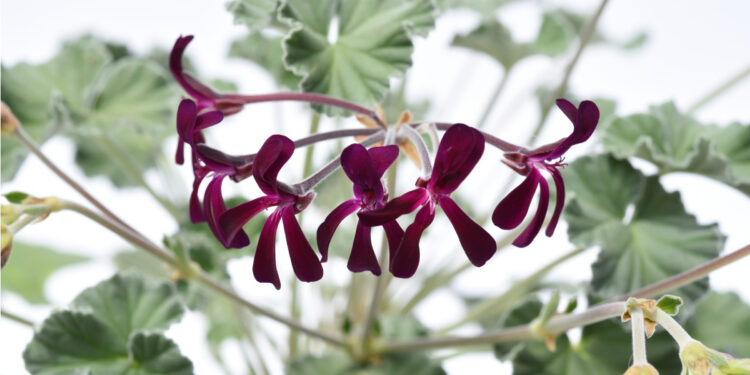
{"x": 459, "y": 151}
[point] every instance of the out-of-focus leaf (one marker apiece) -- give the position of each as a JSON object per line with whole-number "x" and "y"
{"x": 340, "y": 364}
{"x": 677, "y": 142}
{"x": 29, "y": 268}
{"x": 486, "y": 8}
{"x": 636, "y": 42}
{"x": 557, "y": 33}
{"x": 495, "y": 40}
{"x": 265, "y": 51}
{"x": 644, "y": 233}
{"x": 373, "y": 44}
{"x": 141, "y": 262}
{"x": 721, "y": 321}
{"x": 255, "y": 14}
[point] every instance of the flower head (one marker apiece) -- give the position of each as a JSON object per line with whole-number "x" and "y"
{"x": 511, "y": 211}
{"x": 698, "y": 359}
{"x": 274, "y": 153}
{"x": 203, "y": 95}
{"x": 365, "y": 169}
{"x": 458, "y": 153}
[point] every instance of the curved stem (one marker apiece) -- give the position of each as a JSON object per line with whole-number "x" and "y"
{"x": 586, "y": 34}
{"x": 16, "y": 318}
{"x": 309, "y": 98}
{"x": 673, "y": 328}
{"x": 488, "y": 138}
{"x": 413, "y": 136}
{"x": 720, "y": 90}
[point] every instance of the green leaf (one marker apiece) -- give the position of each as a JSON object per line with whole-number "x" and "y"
{"x": 643, "y": 232}
{"x": 128, "y": 303}
{"x": 266, "y": 52}
{"x": 677, "y": 142}
{"x": 669, "y": 304}
{"x": 721, "y": 321}
{"x": 486, "y": 8}
{"x": 255, "y": 14}
{"x": 141, "y": 262}
{"x": 494, "y": 39}
{"x": 557, "y": 33}
{"x": 373, "y": 44}
{"x": 15, "y": 196}
{"x": 341, "y": 364}
{"x": 29, "y": 268}
{"x": 77, "y": 342}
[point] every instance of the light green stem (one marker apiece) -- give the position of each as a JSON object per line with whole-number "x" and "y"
{"x": 16, "y": 318}
{"x": 723, "y": 88}
{"x": 639, "y": 337}
{"x": 493, "y": 99}
{"x": 673, "y": 328}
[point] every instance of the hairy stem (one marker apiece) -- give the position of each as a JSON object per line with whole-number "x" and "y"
{"x": 639, "y": 337}
{"x": 673, "y": 328}
{"x": 16, "y": 318}
{"x": 586, "y": 34}
{"x": 413, "y": 136}
{"x": 493, "y": 99}
{"x": 723, "y": 88}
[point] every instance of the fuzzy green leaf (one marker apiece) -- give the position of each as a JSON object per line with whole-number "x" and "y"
{"x": 44, "y": 261}
{"x": 669, "y": 304}
{"x": 255, "y": 14}
{"x": 494, "y": 39}
{"x": 373, "y": 44}
{"x": 643, "y": 232}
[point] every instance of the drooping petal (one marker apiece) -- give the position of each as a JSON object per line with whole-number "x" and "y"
{"x": 478, "y": 245}
{"x": 394, "y": 234}
{"x": 459, "y": 151}
{"x": 305, "y": 263}
{"x": 406, "y": 258}
{"x": 232, "y": 221}
{"x": 187, "y": 112}
{"x": 559, "y": 203}
{"x": 332, "y": 221}
{"x": 568, "y": 108}
{"x": 360, "y": 168}
{"x": 510, "y": 212}
{"x": 264, "y": 261}
{"x": 200, "y": 92}
{"x": 362, "y": 257}
{"x": 208, "y": 119}
{"x": 383, "y": 157}
{"x": 528, "y": 234}
{"x": 274, "y": 153}
{"x": 584, "y": 123}
{"x": 196, "y": 210}
{"x": 396, "y": 207}
{"x": 213, "y": 208}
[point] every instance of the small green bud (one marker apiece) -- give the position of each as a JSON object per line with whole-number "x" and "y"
{"x": 6, "y": 240}
{"x": 642, "y": 370}
{"x": 697, "y": 359}
{"x": 9, "y": 213}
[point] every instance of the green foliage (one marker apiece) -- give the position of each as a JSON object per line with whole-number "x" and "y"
{"x": 677, "y": 142}
{"x": 486, "y": 8}
{"x": 721, "y": 321}
{"x": 117, "y": 108}
{"x": 104, "y": 332}
{"x": 265, "y": 51}
{"x": 495, "y": 40}
{"x": 669, "y": 304}
{"x": 373, "y": 44}
{"x": 15, "y": 196}
{"x": 658, "y": 240}
{"x": 340, "y": 364}
{"x": 255, "y": 14}
{"x": 44, "y": 261}
{"x": 558, "y": 31}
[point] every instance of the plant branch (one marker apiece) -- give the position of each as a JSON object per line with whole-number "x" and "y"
{"x": 493, "y": 99}
{"x": 724, "y": 87}
{"x": 16, "y": 318}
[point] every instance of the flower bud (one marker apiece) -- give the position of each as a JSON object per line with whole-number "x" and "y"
{"x": 6, "y": 240}
{"x": 697, "y": 359}
{"x": 735, "y": 367}
{"x": 642, "y": 370}
{"x": 10, "y": 213}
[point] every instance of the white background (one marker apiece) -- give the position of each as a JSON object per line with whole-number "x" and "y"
{"x": 693, "y": 47}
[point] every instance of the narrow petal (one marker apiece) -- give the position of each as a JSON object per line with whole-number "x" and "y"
{"x": 187, "y": 113}
{"x": 394, "y": 208}
{"x": 559, "y": 203}
{"x": 478, "y": 245}
{"x": 383, "y": 157}
{"x": 332, "y": 221}
{"x": 360, "y": 168}
{"x": 394, "y": 234}
{"x": 208, "y": 119}
{"x": 532, "y": 230}
{"x": 213, "y": 208}
{"x": 232, "y": 221}
{"x": 202, "y": 93}
{"x": 196, "y": 210}
{"x": 274, "y": 153}
{"x": 584, "y": 124}
{"x": 305, "y": 263}
{"x": 568, "y": 108}
{"x": 510, "y": 212}
{"x": 406, "y": 259}
{"x": 362, "y": 257}
{"x": 459, "y": 151}
{"x": 175, "y": 57}
{"x": 264, "y": 261}
{"x": 179, "y": 156}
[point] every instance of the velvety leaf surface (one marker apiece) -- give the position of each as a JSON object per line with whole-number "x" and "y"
{"x": 644, "y": 233}
{"x": 722, "y": 322}
{"x": 677, "y": 142}
{"x": 494, "y": 39}
{"x": 373, "y": 44}
{"x": 16, "y": 277}
{"x": 255, "y": 14}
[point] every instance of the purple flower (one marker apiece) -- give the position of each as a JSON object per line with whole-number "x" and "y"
{"x": 365, "y": 168}
{"x": 204, "y": 95}
{"x": 274, "y": 153}
{"x": 458, "y": 153}
{"x": 511, "y": 211}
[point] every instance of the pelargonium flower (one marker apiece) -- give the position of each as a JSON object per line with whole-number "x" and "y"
{"x": 274, "y": 153}
{"x": 458, "y": 153}
{"x": 204, "y": 95}
{"x": 365, "y": 168}
{"x": 511, "y": 211}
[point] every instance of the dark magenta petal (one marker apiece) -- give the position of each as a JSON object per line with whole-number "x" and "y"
{"x": 332, "y": 221}
{"x": 394, "y": 208}
{"x": 510, "y": 212}
{"x": 394, "y": 234}
{"x": 528, "y": 234}
{"x": 179, "y": 156}
{"x": 232, "y": 221}
{"x": 274, "y": 153}
{"x": 478, "y": 245}
{"x": 360, "y": 168}
{"x": 406, "y": 259}
{"x": 584, "y": 124}
{"x": 362, "y": 257}
{"x": 196, "y": 210}
{"x": 305, "y": 263}
{"x": 459, "y": 151}
{"x": 264, "y": 261}
{"x": 213, "y": 208}
{"x": 383, "y": 157}
{"x": 186, "y": 116}
{"x": 200, "y": 92}
{"x": 568, "y": 108}
{"x": 208, "y": 119}
{"x": 559, "y": 203}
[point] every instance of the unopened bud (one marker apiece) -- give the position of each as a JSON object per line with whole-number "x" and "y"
{"x": 642, "y": 370}
{"x": 10, "y": 213}
{"x": 735, "y": 367}
{"x": 697, "y": 359}
{"x": 6, "y": 240}
{"x": 8, "y": 121}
